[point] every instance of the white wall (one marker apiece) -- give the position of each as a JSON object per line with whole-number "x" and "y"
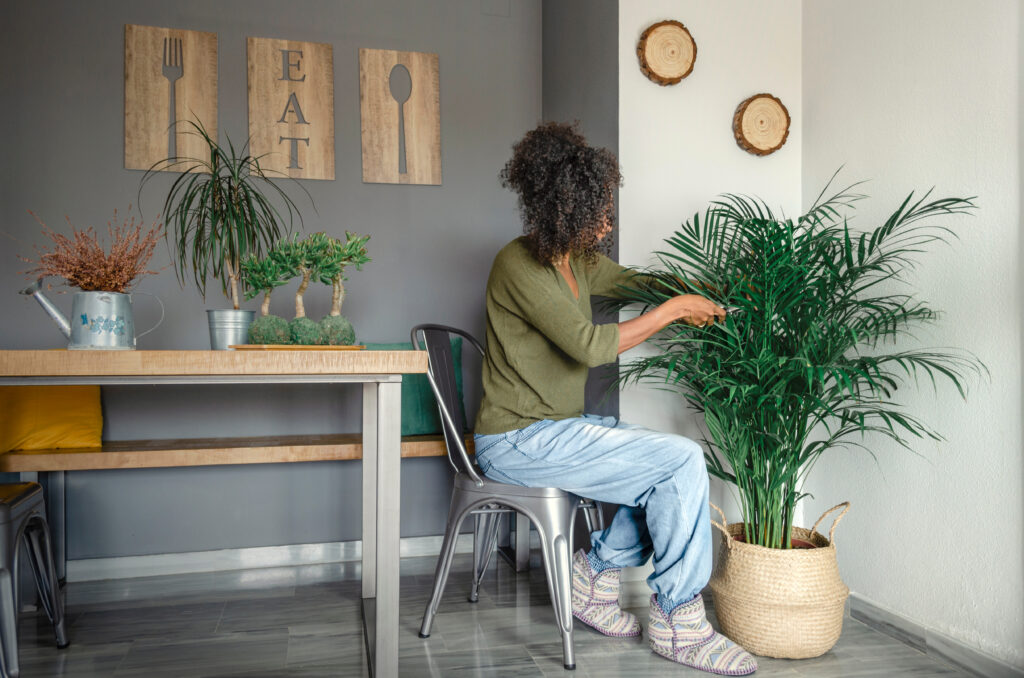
{"x": 676, "y": 144}
{"x": 915, "y": 94}
{"x": 677, "y": 148}
{"x": 910, "y": 95}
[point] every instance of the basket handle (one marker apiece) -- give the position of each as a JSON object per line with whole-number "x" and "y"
{"x": 721, "y": 526}
{"x": 845, "y": 506}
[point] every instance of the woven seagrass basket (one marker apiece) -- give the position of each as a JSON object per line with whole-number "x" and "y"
{"x": 784, "y": 603}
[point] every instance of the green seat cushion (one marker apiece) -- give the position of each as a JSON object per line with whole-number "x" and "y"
{"x": 420, "y": 415}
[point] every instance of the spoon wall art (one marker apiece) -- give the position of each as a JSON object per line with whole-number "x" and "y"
{"x": 400, "y": 84}
{"x": 400, "y": 111}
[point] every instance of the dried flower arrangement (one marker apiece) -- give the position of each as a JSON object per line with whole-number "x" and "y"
{"x": 83, "y": 261}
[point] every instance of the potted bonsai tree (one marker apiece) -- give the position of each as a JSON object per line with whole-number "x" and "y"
{"x": 262, "y": 275}
{"x": 301, "y": 258}
{"x": 804, "y": 362}
{"x": 335, "y": 329}
{"x": 218, "y": 211}
{"x": 319, "y": 258}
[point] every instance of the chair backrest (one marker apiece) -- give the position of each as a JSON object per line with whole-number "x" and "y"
{"x": 441, "y": 374}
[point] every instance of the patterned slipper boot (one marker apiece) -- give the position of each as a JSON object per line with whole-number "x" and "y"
{"x": 687, "y": 638}
{"x": 595, "y": 599}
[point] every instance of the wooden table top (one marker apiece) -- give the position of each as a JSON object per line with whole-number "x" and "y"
{"x": 32, "y": 363}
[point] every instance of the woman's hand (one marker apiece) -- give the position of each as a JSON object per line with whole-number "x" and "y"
{"x": 693, "y": 309}
{"x": 690, "y": 308}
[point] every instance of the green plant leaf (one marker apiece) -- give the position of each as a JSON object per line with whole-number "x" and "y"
{"x": 801, "y": 369}
{"x": 220, "y": 210}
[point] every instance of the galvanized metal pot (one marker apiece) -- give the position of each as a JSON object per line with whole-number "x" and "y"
{"x": 229, "y": 326}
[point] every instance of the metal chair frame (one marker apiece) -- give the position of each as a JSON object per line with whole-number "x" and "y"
{"x": 552, "y": 511}
{"x": 24, "y": 524}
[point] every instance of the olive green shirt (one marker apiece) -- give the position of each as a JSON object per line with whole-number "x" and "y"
{"x": 541, "y": 340}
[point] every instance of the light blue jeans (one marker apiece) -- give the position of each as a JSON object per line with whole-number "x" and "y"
{"x": 659, "y": 480}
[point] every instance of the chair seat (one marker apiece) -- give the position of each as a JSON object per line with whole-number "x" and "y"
{"x": 493, "y": 487}
{"x": 12, "y": 493}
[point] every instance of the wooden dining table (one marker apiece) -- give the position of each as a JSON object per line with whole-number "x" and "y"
{"x": 380, "y": 373}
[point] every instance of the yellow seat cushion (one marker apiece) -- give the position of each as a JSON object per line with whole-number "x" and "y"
{"x": 46, "y": 417}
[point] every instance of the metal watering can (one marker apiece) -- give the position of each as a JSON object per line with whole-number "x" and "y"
{"x": 100, "y": 320}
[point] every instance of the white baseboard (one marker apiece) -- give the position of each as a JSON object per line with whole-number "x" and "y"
{"x": 634, "y": 593}
{"x": 124, "y": 567}
{"x": 931, "y": 642}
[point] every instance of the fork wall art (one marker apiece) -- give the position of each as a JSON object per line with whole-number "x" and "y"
{"x": 291, "y": 107}
{"x": 170, "y": 76}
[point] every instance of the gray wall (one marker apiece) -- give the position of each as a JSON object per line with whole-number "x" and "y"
{"x": 581, "y": 67}
{"x": 62, "y": 85}
{"x": 581, "y": 83}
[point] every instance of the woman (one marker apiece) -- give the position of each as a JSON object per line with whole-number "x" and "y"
{"x": 531, "y": 429}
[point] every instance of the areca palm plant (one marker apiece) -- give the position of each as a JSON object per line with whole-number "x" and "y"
{"x": 806, "y": 359}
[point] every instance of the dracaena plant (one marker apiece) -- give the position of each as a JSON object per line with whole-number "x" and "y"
{"x": 810, "y": 356}
{"x": 221, "y": 210}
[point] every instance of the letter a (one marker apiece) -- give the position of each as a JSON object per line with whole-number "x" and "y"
{"x": 293, "y": 107}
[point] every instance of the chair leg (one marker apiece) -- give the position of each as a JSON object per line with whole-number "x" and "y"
{"x": 456, "y": 516}
{"x": 41, "y": 556}
{"x": 555, "y": 523}
{"x": 484, "y": 537}
{"x": 31, "y": 541}
{"x": 8, "y": 626}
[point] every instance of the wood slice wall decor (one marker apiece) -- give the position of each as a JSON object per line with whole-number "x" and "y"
{"x": 761, "y": 124}
{"x": 170, "y": 78}
{"x": 400, "y": 115}
{"x": 667, "y": 52}
{"x": 291, "y": 106}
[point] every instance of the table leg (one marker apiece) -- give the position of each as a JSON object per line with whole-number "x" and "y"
{"x": 389, "y": 468}
{"x": 55, "y": 494}
{"x": 370, "y": 442}
{"x": 516, "y": 547}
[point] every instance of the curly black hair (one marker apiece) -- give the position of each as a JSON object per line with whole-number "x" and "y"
{"x": 565, "y": 191}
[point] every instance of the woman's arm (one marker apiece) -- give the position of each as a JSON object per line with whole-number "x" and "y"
{"x": 691, "y": 308}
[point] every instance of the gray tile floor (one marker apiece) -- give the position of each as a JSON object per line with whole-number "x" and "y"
{"x": 305, "y": 621}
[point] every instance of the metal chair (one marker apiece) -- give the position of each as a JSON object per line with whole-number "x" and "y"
{"x": 23, "y": 523}
{"x": 552, "y": 511}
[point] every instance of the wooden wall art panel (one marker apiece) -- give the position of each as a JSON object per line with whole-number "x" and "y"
{"x": 170, "y": 77}
{"x": 400, "y": 112}
{"x": 667, "y": 52}
{"x": 291, "y": 107}
{"x": 761, "y": 124}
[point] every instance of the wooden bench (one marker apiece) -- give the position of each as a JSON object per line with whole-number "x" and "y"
{"x": 211, "y": 452}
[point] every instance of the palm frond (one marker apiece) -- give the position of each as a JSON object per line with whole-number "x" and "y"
{"x": 803, "y": 357}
